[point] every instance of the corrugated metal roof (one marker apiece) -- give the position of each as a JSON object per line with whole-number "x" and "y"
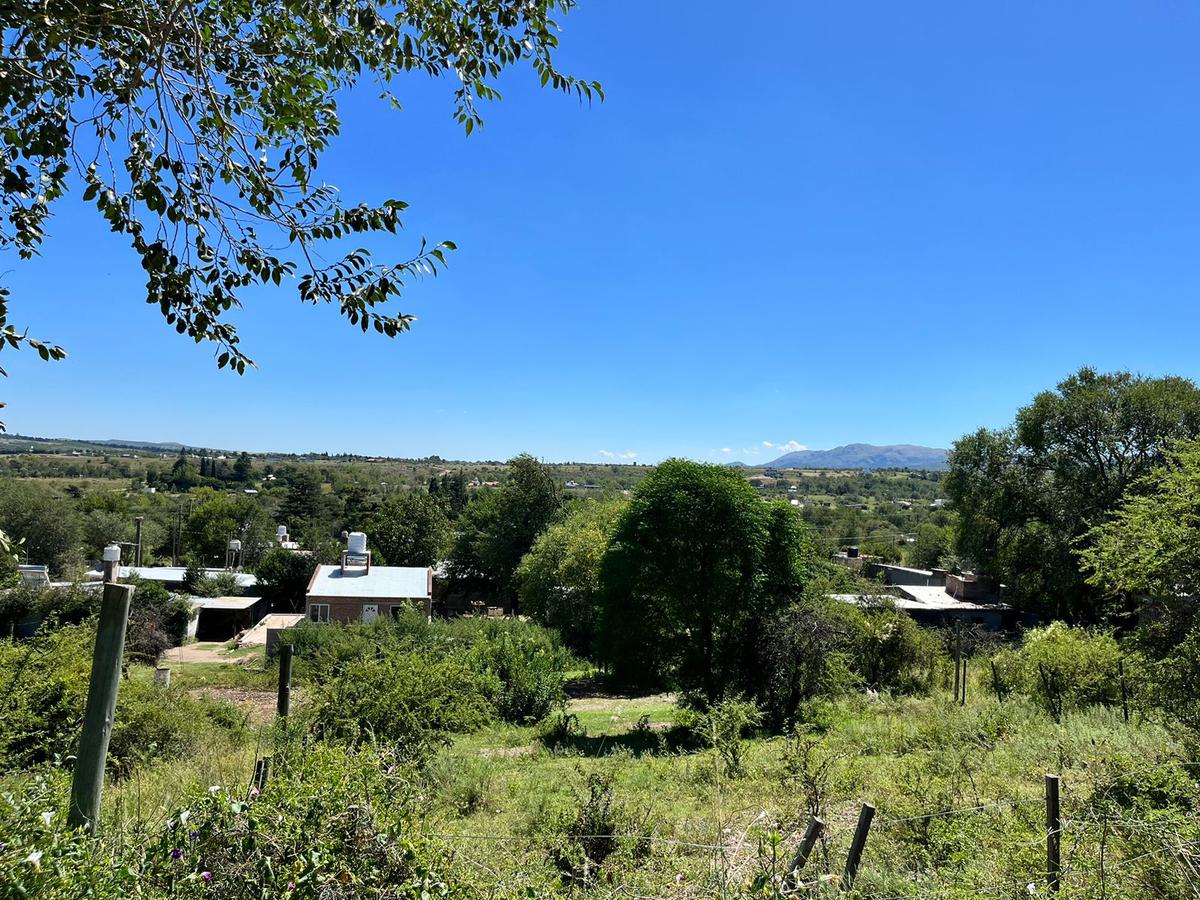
{"x": 932, "y": 598}
{"x": 228, "y": 602}
{"x": 383, "y": 582}
{"x": 169, "y": 574}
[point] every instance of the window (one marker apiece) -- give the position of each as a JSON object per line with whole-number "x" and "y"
{"x": 397, "y": 611}
{"x": 319, "y": 612}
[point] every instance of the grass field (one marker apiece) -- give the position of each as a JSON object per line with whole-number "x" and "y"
{"x": 959, "y": 793}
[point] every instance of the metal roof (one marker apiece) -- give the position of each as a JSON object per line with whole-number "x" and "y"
{"x": 175, "y": 574}
{"x": 383, "y": 582}
{"x": 228, "y": 602}
{"x": 931, "y": 598}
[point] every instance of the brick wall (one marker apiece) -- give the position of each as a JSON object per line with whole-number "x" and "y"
{"x": 349, "y": 609}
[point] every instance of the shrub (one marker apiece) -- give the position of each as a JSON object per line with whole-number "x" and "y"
{"x": 317, "y": 830}
{"x": 43, "y": 689}
{"x": 592, "y": 833}
{"x": 525, "y": 664}
{"x": 807, "y": 654}
{"x": 823, "y": 648}
{"x": 532, "y": 681}
{"x": 410, "y": 700}
{"x": 723, "y": 725}
{"x": 1060, "y": 666}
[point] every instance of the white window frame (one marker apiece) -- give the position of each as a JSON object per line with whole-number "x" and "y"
{"x": 319, "y": 613}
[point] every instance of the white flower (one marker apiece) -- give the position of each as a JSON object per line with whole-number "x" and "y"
{"x": 34, "y": 858}
{"x": 213, "y": 788}
{"x": 46, "y": 817}
{"x": 184, "y": 816}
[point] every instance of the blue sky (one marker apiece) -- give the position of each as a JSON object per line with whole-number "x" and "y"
{"x": 814, "y": 223}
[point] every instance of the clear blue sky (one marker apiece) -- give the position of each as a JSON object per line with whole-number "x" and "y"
{"x": 814, "y": 222}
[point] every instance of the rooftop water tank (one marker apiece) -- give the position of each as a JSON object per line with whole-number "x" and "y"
{"x": 281, "y": 530}
{"x": 356, "y": 542}
{"x": 112, "y": 553}
{"x": 235, "y": 544}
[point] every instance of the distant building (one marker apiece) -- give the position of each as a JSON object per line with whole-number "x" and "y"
{"x": 172, "y": 577}
{"x": 937, "y": 597}
{"x": 357, "y": 591}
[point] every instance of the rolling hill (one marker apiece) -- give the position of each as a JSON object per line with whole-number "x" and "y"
{"x": 865, "y": 456}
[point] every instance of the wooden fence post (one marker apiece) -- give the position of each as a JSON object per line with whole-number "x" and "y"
{"x": 284, "y": 704}
{"x": 262, "y": 771}
{"x": 957, "y": 663}
{"x": 1124, "y": 690}
{"x": 963, "y": 699}
{"x": 811, "y": 833}
{"x": 996, "y": 683}
{"x": 87, "y": 782}
{"x": 1053, "y": 834}
{"x": 865, "y": 815}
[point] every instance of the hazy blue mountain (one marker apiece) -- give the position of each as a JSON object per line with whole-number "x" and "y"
{"x": 865, "y": 456}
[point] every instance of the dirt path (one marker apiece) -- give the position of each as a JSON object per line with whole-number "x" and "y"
{"x": 200, "y": 652}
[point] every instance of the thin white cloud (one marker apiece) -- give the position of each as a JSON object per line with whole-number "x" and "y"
{"x": 628, "y": 454}
{"x": 726, "y": 449}
{"x": 788, "y": 447}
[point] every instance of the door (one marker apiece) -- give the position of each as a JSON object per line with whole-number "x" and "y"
{"x": 370, "y": 612}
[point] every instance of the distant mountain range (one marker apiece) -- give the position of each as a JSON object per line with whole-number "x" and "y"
{"x": 865, "y": 456}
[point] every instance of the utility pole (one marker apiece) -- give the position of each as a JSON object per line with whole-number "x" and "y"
{"x": 87, "y": 784}
{"x": 137, "y": 555}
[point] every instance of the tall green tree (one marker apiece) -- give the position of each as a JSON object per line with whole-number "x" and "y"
{"x": 410, "y": 530}
{"x": 1027, "y": 496}
{"x": 559, "y": 578}
{"x": 243, "y": 468}
{"x": 931, "y": 544}
{"x": 499, "y": 528}
{"x": 302, "y": 502}
{"x": 45, "y": 524}
{"x": 220, "y": 517}
{"x": 1151, "y": 543}
{"x": 283, "y": 577}
{"x": 696, "y": 568}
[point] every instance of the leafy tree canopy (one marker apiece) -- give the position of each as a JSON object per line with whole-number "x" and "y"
{"x": 196, "y": 129}
{"x": 697, "y": 566}
{"x": 410, "y": 530}
{"x": 1027, "y": 496}
{"x": 1151, "y": 544}
{"x": 498, "y": 529}
{"x": 559, "y": 577}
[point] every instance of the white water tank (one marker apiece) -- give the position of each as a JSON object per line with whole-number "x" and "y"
{"x": 281, "y": 531}
{"x": 235, "y": 544}
{"x": 356, "y": 542}
{"x": 112, "y": 553}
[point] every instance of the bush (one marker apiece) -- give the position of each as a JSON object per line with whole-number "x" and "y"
{"x": 317, "y": 830}
{"x": 1060, "y": 667}
{"x": 409, "y": 700}
{"x": 531, "y": 676}
{"x": 525, "y": 664}
{"x": 824, "y": 648}
{"x": 723, "y": 725}
{"x": 43, "y": 689}
{"x": 807, "y": 654}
